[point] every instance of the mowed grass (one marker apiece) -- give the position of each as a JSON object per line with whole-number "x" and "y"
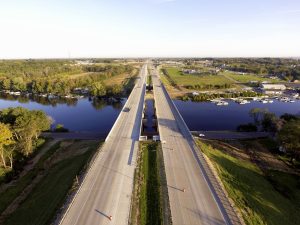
{"x": 147, "y": 208}
{"x": 46, "y": 198}
{"x": 258, "y": 199}
{"x": 248, "y": 77}
{"x": 150, "y": 190}
{"x": 8, "y": 196}
{"x": 186, "y": 79}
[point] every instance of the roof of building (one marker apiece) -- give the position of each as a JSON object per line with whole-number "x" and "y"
{"x": 273, "y": 86}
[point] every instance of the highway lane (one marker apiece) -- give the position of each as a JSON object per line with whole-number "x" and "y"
{"x": 191, "y": 198}
{"x": 107, "y": 188}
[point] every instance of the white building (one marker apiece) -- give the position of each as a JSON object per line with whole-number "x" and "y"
{"x": 273, "y": 88}
{"x": 190, "y": 71}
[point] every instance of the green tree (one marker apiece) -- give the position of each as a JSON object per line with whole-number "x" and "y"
{"x": 117, "y": 89}
{"x": 6, "y": 139}
{"x": 289, "y": 137}
{"x": 257, "y": 114}
{"x": 270, "y": 122}
{"x": 98, "y": 89}
{"x": 18, "y": 84}
{"x": 26, "y": 126}
{"x": 6, "y": 84}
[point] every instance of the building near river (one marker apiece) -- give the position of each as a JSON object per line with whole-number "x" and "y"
{"x": 273, "y": 88}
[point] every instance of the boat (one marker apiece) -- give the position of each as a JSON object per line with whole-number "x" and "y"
{"x": 269, "y": 100}
{"x": 284, "y": 99}
{"x": 291, "y": 101}
{"x": 264, "y": 101}
{"x": 222, "y": 103}
{"x": 243, "y": 102}
{"x": 215, "y": 100}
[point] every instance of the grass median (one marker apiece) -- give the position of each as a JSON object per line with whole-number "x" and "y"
{"x": 147, "y": 197}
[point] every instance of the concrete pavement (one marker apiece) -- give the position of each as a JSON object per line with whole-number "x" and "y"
{"x": 194, "y": 195}
{"x": 107, "y": 187}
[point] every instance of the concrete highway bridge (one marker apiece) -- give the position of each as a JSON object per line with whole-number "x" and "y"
{"x": 104, "y": 196}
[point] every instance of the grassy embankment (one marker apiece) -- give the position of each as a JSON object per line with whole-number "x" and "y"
{"x": 7, "y": 197}
{"x": 147, "y": 202}
{"x": 58, "y": 168}
{"x": 272, "y": 198}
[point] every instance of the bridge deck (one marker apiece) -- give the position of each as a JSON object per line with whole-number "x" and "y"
{"x": 107, "y": 188}
{"x": 193, "y": 200}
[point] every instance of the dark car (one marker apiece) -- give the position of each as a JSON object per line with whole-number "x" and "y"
{"x": 126, "y": 109}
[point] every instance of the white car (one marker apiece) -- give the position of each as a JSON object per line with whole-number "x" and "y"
{"x": 201, "y": 135}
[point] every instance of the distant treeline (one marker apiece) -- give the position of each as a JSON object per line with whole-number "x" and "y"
{"x": 56, "y": 76}
{"x": 288, "y": 69}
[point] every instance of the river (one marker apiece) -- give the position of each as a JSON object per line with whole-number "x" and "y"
{"x": 87, "y": 116}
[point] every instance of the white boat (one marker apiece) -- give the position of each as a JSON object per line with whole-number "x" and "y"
{"x": 215, "y": 100}
{"x": 291, "y": 101}
{"x": 263, "y": 101}
{"x": 222, "y": 103}
{"x": 269, "y": 100}
{"x": 284, "y": 99}
{"x": 243, "y": 102}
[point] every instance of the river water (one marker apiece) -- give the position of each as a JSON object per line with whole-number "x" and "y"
{"x": 76, "y": 115}
{"x": 88, "y": 116}
{"x": 208, "y": 116}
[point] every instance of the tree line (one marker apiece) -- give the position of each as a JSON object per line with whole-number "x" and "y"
{"x": 288, "y": 69}
{"x": 20, "y": 129}
{"x": 284, "y": 129}
{"x": 56, "y": 77}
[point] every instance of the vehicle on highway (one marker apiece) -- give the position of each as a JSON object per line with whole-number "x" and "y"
{"x": 201, "y": 135}
{"x": 126, "y": 109}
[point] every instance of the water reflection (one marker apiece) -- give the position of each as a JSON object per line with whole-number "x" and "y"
{"x": 97, "y": 103}
{"x": 91, "y": 115}
{"x": 209, "y": 116}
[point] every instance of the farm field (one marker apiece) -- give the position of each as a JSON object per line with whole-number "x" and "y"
{"x": 186, "y": 79}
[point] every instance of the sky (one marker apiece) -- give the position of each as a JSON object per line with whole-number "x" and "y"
{"x": 149, "y": 28}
